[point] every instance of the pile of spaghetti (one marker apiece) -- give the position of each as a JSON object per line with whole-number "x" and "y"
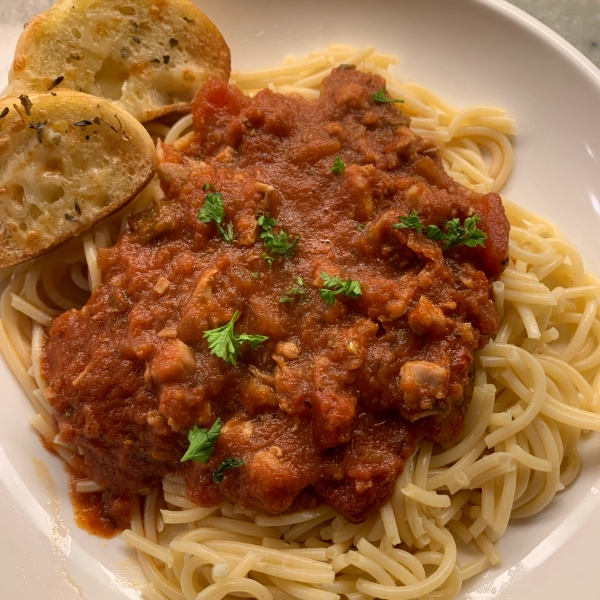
{"x": 534, "y": 394}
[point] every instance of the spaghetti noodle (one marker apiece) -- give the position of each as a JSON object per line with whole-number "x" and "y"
{"x": 535, "y": 393}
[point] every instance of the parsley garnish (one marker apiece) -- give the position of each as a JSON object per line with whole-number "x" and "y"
{"x": 361, "y": 227}
{"x": 335, "y": 285}
{"x": 338, "y": 166}
{"x": 410, "y": 222}
{"x": 225, "y": 343}
{"x": 296, "y": 292}
{"x": 213, "y": 212}
{"x": 382, "y": 98}
{"x": 39, "y": 127}
{"x": 457, "y": 234}
{"x": 202, "y": 442}
{"x": 26, "y": 103}
{"x": 56, "y": 82}
{"x": 230, "y": 463}
{"x": 278, "y": 244}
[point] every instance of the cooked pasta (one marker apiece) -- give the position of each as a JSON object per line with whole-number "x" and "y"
{"x": 534, "y": 394}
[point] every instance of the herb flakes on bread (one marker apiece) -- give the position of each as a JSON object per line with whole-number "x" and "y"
{"x": 67, "y": 160}
{"x": 148, "y": 56}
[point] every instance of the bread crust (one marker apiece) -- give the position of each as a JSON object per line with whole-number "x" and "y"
{"x": 148, "y": 56}
{"x": 67, "y": 160}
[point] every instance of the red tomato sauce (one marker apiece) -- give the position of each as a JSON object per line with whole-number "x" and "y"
{"x": 330, "y": 406}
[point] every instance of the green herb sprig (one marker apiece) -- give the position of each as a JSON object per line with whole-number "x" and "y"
{"x": 214, "y": 212}
{"x": 381, "y": 97}
{"x": 202, "y": 442}
{"x": 230, "y": 463}
{"x": 454, "y": 234}
{"x": 296, "y": 292}
{"x": 268, "y": 258}
{"x": 225, "y": 343}
{"x": 410, "y": 222}
{"x": 338, "y": 166}
{"x": 335, "y": 285}
{"x": 457, "y": 234}
{"x": 278, "y": 244}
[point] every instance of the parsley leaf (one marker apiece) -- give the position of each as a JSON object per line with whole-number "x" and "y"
{"x": 268, "y": 258}
{"x": 457, "y": 234}
{"x": 27, "y": 104}
{"x": 454, "y": 235}
{"x": 278, "y": 244}
{"x": 382, "y": 98}
{"x": 338, "y": 166}
{"x": 410, "y": 222}
{"x": 328, "y": 296}
{"x": 335, "y": 285}
{"x": 230, "y": 463}
{"x": 297, "y": 291}
{"x": 214, "y": 212}
{"x": 225, "y": 343}
{"x": 202, "y": 442}
{"x": 228, "y": 233}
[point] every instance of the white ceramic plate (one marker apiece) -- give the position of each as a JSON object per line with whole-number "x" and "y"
{"x": 470, "y": 51}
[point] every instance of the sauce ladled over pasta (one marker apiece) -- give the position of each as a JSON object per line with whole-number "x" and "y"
{"x": 311, "y": 281}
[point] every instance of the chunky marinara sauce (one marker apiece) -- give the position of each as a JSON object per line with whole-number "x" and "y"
{"x": 332, "y": 404}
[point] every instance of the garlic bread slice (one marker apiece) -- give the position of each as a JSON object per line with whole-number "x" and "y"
{"x": 67, "y": 160}
{"x": 148, "y": 56}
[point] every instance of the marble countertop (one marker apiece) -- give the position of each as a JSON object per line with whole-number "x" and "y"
{"x": 578, "y": 21}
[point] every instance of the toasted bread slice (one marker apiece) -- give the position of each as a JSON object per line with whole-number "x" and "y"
{"x": 148, "y": 56}
{"x": 67, "y": 160}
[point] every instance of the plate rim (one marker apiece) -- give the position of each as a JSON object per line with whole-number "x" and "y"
{"x": 534, "y": 27}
